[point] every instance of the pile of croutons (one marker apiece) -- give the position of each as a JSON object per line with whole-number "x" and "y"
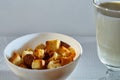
{"x": 52, "y": 54}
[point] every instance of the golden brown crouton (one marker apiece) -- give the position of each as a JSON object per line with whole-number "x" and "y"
{"x": 66, "y": 60}
{"x": 39, "y": 53}
{"x": 72, "y": 52}
{"x": 53, "y": 64}
{"x": 63, "y": 51}
{"x": 40, "y": 46}
{"x": 27, "y": 51}
{"x": 38, "y": 64}
{"x": 15, "y": 58}
{"x": 55, "y": 56}
{"x": 52, "y": 45}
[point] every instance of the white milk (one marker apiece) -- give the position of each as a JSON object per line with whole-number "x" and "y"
{"x": 108, "y": 38}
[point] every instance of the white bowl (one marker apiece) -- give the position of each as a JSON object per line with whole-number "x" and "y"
{"x": 30, "y": 41}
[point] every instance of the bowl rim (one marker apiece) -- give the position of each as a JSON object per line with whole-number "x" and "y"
{"x": 43, "y": 70}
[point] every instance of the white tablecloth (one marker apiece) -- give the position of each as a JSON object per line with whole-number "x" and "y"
{"x": 89, "y": 67}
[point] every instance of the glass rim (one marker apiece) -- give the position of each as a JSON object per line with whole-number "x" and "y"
{"x": 102, "y": 8}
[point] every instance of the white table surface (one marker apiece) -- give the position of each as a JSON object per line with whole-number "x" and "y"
{"x": 89, "y": 67}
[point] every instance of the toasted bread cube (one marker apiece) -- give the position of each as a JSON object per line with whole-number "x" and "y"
{"x": 39, "y": 53}
{"x": 72, "y": 52}
{"x": 55, "y": 56}
{"x": 27, "y": 51}
{"x": 63, "y": 51}
{"x": 52, "y": 45}
{"x": 53, "y": 64}
{"x": 66, "y": 60}
{"x": 15, "y": 58}
{"x": 38, "y": 64}
{"x": 40, "y": 46}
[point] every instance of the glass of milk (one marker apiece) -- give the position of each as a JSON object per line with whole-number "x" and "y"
{"x": 107, "y": 14}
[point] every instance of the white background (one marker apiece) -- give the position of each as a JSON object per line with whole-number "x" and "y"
{"x": 18, "y": 17}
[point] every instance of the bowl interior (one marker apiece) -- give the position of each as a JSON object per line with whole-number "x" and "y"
{"x": 32, "y": 40}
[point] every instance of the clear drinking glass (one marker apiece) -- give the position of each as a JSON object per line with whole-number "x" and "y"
{"x": 107, "y": 14}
